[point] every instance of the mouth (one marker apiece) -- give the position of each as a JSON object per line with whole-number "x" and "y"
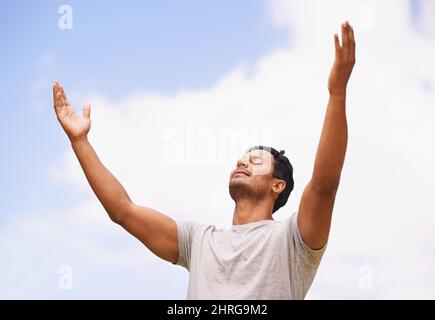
{"x": 240, "y": 172}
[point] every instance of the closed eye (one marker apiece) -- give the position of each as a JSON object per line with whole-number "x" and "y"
{"x": 256, "y": 160}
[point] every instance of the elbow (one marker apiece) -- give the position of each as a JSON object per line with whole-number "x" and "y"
{"x": 119, "y": 214}
{"x": 116, "y": 218}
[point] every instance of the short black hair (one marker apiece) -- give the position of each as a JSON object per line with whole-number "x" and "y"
{"x": 283, "y": 170}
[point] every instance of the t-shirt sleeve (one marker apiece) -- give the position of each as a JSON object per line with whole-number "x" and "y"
{"x": 185, "y": 235}
{"x": 308, "y": 255}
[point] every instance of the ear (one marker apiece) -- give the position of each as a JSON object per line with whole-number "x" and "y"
{"x": 278, "y": 186}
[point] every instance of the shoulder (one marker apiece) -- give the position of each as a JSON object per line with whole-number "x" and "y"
{"x": 191, "y": 227}
{"x": 313, "y": 255}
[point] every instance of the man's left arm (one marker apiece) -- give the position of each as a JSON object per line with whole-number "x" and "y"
{"x": 317, "y": 202}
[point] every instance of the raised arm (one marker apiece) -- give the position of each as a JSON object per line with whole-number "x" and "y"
{"x": 317, "y": 202}
{"x": 155, "y": 230}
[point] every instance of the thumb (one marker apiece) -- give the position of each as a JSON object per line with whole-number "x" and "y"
{"x": 87, "y": 111}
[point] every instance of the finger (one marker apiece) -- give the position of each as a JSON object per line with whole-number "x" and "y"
{"x": 348, "y": 29}
{"x": 65, "y": 99}
{"x": 337, "y": 44}
{"x": 58, "y": 95}
{"x": 87, "y": 111}
{"x": 345, "y": 39}
{"x": 55, "y": 102}
{"x": 352, "y": 44}
{"x": 54, "y": 91}
{"x": 59, "y": 99}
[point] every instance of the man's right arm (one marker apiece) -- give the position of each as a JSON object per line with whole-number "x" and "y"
{"x": 155, "y": 230}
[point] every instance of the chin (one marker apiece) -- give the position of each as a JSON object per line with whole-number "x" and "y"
{"x": 238, "y": 187}
{"x": 237, "y": 182}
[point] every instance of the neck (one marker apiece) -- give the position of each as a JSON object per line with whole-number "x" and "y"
{"x": 248, "y": 210}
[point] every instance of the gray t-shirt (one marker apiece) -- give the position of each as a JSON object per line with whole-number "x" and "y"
{"x": 259, "y": 260}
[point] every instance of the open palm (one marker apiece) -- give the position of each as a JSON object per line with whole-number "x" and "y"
{"x": 344, "y": 60}
{"x": 75, "y": 127}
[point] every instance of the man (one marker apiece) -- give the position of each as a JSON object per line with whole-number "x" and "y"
{"x": 258, "y": 257}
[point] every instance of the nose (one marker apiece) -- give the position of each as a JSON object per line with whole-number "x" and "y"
{"x": 242, "y": 162}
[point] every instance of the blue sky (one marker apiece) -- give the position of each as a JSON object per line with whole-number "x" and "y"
{"x": 208, "y": 64}
{"x": 116, "y": 48}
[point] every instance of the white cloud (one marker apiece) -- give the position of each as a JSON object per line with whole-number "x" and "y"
{"x": 426, "y": 22}
{"x": 105, "y": 261}
{"x": 383, "y": 216}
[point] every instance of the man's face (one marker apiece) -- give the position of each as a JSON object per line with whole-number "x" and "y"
{"x": 252, "y": 175}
